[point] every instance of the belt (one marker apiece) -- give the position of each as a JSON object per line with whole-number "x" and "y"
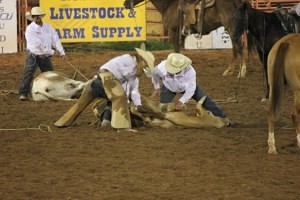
{"x": 103, "y": 70}
{"x": 39, "y": 56}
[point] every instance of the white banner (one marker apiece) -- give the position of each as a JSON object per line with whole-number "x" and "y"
{"x": 8, "y": 26}
{"x": 221, "y": 39}
{"x": 217, "y": 39}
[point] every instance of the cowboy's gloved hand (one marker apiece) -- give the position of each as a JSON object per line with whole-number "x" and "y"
{"x": 141, "y": 109}
{"x": 155, "y": 94}
{"x": 64, "y": 57}
{"x": 178, "y": 105}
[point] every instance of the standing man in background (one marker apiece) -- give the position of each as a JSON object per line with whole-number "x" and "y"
{"x": 41, "y": 38}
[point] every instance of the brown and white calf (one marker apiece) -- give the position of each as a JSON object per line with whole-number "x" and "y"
{"x": 53, "y": 85}
{"x": 155, "y": 118}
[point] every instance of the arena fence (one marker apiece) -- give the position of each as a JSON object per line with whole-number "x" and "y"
{"x": 270, "y": 5}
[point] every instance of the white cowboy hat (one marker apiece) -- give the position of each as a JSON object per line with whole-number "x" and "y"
{"x": 34, "y": 11}
{"x": 177, "y": 62}
{"x": 149, "y": 59}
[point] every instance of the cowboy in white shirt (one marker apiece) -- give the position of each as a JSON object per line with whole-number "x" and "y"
{"x": 41, "y": 38}
{"x": 117, "y": 81}
{"x": 179, "y": 76}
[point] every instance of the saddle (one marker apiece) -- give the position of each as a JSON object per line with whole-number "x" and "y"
{"x": 208, "y": 3}
{"x": 289, "y": 21}
{"x": 195, "y": 13}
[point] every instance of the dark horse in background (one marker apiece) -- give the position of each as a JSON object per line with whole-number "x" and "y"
{"x": 265, "y": 29}
{"x": 215, "y": 16}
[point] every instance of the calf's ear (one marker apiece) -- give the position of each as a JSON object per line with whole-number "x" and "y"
{"x": 199, "y": 110}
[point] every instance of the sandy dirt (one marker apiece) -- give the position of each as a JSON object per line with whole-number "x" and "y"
{"x": 85, "y": 162}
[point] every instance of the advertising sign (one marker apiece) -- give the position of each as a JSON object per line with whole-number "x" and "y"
{"x": 195, "y": 42}
{"x": 95, "y": 20}
{"x": 217, "y": 39}
{"x": 8, "y": 26}
{"x": 221, "y": 39}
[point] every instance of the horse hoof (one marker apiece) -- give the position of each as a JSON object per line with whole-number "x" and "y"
{"x": 242, "y": 74}
{"x": 225, "y": 73}
{"x": 264, "y": 100}
{"x": 272, "y": 152}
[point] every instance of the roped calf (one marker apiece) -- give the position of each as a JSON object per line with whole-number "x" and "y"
{"x": 53, "y": 85}
{"x": 155, "y": 118}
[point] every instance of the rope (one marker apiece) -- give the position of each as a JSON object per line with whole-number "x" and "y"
{"x": 287, "y": 127}
{"x": 41, "y": 127}
{"x": 77, "y": 70}
{"x": 5, "y": 92}
{"x": 233, "y": 99}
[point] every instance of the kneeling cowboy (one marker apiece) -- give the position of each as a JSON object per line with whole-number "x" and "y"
{"x": 117, "y": 79}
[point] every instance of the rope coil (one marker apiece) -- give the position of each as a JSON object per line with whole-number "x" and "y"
{"x": 41, "y": 127}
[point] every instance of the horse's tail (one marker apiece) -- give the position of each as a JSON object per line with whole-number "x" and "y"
{"x": 239, "y": 21}
{"x": 251, "y": 43}
{"x": 277, "y": 88}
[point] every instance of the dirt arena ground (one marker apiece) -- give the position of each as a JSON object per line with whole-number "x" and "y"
{"x": 85, "y": 162}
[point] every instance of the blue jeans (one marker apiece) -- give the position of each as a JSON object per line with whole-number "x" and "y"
{"x": 31, "y": 64}
{"x": 167, "y": 96}
{"x": 99, "y": 92}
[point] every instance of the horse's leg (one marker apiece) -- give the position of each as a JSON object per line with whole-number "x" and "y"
{"x": 243, "y": 67}
{"x": 271, "y": 137}
{"x": 175, "y": 40}
{"x": 295, "y": 117}
{"x": 230, "y": 69}
{"x": 237, "y": 55}
{"x": 265, "y": 65}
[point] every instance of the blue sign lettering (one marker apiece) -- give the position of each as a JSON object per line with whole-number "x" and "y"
{"x": 86, "y": 13}
{"x": 67, "y": 33}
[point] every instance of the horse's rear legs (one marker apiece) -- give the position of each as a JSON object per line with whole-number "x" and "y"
{"x": 295, "y": 118}
{"x": 230, "y": 68}
{"x": 271, "y": 138}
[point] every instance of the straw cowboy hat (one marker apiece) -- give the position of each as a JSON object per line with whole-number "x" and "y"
{"x": 149, "y": 59}
{"x": 177, "y": 62}
{"x": 34, "y": 11}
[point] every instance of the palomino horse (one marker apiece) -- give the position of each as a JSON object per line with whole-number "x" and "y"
{"x": 216, "y": 16}
{"x": 283, "y": 64}
{"x": 263, "y": 29}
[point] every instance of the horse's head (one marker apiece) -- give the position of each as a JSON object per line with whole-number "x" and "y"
{"x": 129, "y": 4}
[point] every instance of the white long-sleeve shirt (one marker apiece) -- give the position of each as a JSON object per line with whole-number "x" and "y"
{"x": 124, "y": 69}
{"x": 41, "y": 39}
{"x": 184, "y": 81}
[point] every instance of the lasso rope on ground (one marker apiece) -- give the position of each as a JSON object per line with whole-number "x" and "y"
{"x": 41, "y": 127}
{"x": 77, "y": 70}
{"x": 6, "y": 92}
{"x": 234, "y": 99}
